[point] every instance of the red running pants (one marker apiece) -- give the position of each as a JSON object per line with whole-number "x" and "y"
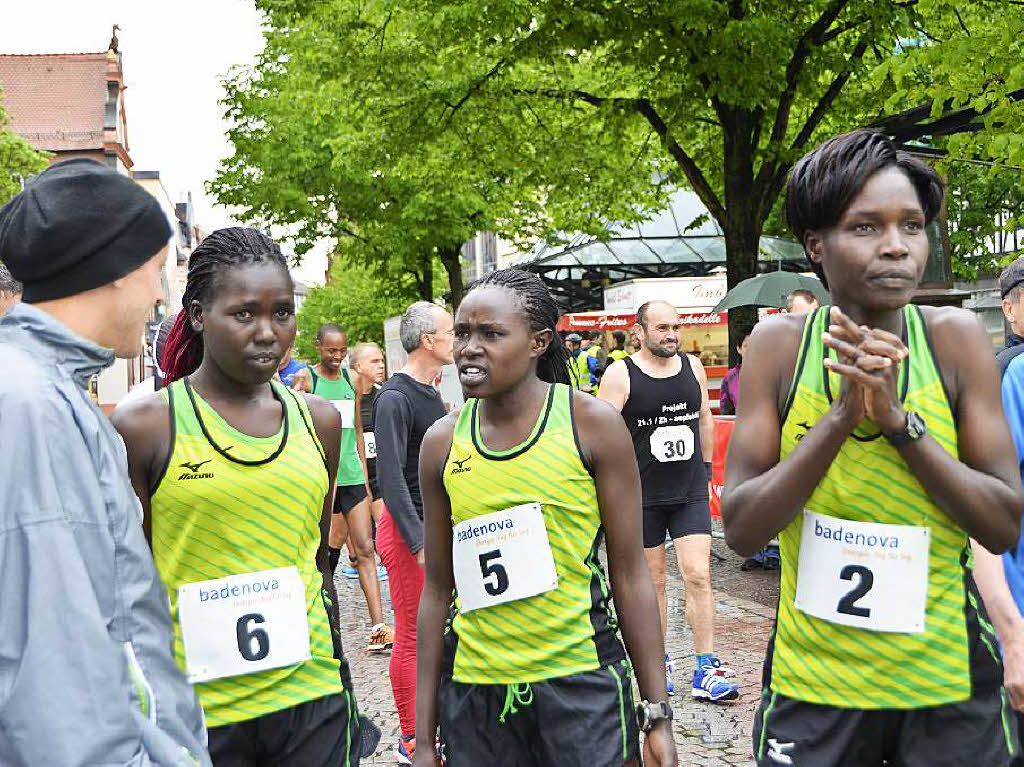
{"x": 405, "y": 580}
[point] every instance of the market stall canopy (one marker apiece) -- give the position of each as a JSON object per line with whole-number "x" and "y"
{"x": 771, "y": 289}
{"x": 681, "y": 241}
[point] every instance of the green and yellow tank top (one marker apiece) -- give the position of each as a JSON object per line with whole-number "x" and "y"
{"x": 229, "y": 504}
{"x": 570, "y": 628}
{"x": 824, "y": 662}
{"x": 341, "y": 394}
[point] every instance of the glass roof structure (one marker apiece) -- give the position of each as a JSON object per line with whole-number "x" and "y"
{"x": 681, "y": 241}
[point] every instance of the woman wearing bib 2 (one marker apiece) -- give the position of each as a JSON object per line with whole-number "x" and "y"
{"x": 519, "y": 489}
{"x": 870, "y": 438}
{"x": 232, "y": 471}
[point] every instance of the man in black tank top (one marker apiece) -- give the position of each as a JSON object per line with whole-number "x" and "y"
{"x": 663, "y": 398}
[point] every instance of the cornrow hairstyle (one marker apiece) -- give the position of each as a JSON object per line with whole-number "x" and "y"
{"x": 223, "y": 250}
{"x": 328, "y": 327}
{"x": 824, "y": 182}
{"x": 541, "y": 313}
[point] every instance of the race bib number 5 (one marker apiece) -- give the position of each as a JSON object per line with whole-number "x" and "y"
{"x": 862, "y": 574}
{"x": 502, "y": 557}
{"x": 672, "y": 443}
{"x": 243, "y": 623}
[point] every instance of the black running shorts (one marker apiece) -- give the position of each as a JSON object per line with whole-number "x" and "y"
{"x": 979, "y": 731}
{"x": 583, "y": 720}
{"x": 322, "y": 731}
{"x": 676, "y": 519}
{"x": 347, "y": 497}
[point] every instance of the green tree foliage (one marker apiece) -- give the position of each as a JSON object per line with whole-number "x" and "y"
{"x": 18, "y": 159}
{"x": 972, "y": 60}
{"x": 549, "y": 115}
{"x": 359, "y": 299}
{"x": 337, "y": 130}
{"x": 985, "y": 205}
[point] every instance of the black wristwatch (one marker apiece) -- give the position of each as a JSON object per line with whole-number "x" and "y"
{"x": 648, "y": 714}
{"x": 913, "y": 431}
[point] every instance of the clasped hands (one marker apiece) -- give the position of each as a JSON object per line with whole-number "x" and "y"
{"x": 869, "y": 362}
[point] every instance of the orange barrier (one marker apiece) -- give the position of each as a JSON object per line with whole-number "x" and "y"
{"x": 723, "y": 431}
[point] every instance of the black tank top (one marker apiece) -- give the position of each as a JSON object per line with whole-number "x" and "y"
{"x": 663, "y": 416}
{"x": 366, "y": 415}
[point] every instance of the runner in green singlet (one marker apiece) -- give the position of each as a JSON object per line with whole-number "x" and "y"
{"x": 520, "y": 487}
{"x": 235, "y": 475}
{"x": 351, "y": 518}
{"x": 870, "y": 438}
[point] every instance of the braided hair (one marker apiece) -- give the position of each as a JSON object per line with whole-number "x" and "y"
{"x": 221, "y": 251}
{"x": 541, "y": 313}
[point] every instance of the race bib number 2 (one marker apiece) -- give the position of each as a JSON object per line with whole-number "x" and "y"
{"x": 863, "y": 574}
{"x": 243, "y": 623}
{"x": 501, "y": 557}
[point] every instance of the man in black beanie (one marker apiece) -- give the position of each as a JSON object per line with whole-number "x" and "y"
{"x": 87, "y": 674}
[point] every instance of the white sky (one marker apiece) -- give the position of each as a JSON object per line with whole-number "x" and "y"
{"x": 175, "y": 55}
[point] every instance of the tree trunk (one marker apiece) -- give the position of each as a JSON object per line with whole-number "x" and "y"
{"x": 451, "y": 258}
{"x": 742, "y": 226}
{"x": 427, "y": 277}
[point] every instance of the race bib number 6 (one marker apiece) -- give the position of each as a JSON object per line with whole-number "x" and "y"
{"x": 243, "y": 623}
{"x": 863, "y": 574}
{"x": 672, "y": 443}
{"x": 501, "y": 557}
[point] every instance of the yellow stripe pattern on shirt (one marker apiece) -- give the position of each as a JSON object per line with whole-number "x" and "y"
{"x": 570, "y": 629}
{"x": 818, "y": 661}
{"x": 226, "y": 518}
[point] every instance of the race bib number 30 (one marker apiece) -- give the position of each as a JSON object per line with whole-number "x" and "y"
{"x": 501, "y": 557}
{"x": 863, "y": 574}
{"x": 243, "y": 623}
{"x": 672, "y": 443}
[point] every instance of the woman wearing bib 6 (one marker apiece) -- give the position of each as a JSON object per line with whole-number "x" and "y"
{"x": 520, "y": 488}
{"x": 232, "y": 471}
{"x": 870, "y": 438}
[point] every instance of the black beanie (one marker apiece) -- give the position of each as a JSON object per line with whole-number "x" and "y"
{"x": 76, "y": 226}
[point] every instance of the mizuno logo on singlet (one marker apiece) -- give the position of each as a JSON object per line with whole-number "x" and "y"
{"x": 193, "y": 470}
{"x": 460, "y": 466}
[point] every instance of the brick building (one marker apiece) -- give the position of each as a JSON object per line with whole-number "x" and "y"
{"x": 69, "y": 104}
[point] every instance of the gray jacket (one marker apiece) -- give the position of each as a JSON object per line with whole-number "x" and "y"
{"x": 87, "y": 675}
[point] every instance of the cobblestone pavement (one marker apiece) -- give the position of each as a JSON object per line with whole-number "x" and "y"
{"x": 706, "y": 734}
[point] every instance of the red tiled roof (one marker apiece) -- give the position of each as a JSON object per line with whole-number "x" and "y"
{"x": 56, "y": 101}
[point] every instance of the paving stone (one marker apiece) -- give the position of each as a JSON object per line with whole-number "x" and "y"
{"x": 705, "y": 734}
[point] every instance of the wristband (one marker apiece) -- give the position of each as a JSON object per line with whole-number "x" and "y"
{"x": 707, "y": 468}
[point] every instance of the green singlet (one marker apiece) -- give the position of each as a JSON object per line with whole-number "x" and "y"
{"x": 567, "y": 630}
{"x": 230, "y": 504}
{"x": 341, "y": 394}
{"x": 820, "y": 661}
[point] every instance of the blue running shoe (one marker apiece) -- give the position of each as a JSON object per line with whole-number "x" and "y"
{"x": 349, "y": 572}
{"x": 670, "y": 688}
{"x": 709, "y": 684}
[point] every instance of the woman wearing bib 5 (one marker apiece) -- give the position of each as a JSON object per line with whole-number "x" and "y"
{"x": 232, "y": 471}
{"x": 520, "y": 488}
{"x": 870, "y": 438}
